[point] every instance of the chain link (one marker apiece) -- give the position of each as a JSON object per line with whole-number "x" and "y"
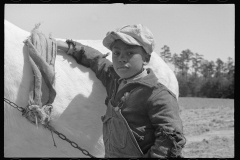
{"x": 60, "y": 135}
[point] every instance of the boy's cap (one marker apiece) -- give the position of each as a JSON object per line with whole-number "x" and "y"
{"x": 132, "y": 35}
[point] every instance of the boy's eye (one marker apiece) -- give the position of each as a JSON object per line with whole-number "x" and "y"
{"x": 115, "y": 53}
{"x": 129, "y": 53}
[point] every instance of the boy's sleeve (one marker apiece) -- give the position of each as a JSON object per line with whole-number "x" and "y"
{"x": 92, "y": 58}
{"x": 164, "y": 115}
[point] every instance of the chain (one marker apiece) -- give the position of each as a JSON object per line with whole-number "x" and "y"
{"x": 21, "y": 109}
{"x": 73, "y": 144}
{"x": 62, "y": 136}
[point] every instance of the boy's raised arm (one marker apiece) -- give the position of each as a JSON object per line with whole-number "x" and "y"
{"x": 90, "y": 57}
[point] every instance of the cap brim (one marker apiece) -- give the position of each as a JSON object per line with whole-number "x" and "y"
{"x": 112, "y": 36}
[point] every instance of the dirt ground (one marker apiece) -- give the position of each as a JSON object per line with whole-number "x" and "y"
{"x": 208, "y": 126}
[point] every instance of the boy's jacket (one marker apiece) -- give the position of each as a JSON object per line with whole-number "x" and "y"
{"x": 150, "y": 109}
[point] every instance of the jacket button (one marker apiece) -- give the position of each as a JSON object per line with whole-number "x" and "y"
{"x": 102, "y": 117}
{"x": 116, "y": 109}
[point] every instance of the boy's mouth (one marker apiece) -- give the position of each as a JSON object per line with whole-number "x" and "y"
{"x": 123, "y": 68}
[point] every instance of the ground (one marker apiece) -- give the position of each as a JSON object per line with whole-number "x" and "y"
{"x": 208, "y": 126}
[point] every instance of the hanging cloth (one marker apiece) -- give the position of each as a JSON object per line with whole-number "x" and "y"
{"x": 42, "y": 52}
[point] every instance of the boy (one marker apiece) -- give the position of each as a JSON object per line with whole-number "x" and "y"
{"x": 142, "y": 117}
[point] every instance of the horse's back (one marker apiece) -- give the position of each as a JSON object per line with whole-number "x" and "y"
{"x": 77, "y": 108}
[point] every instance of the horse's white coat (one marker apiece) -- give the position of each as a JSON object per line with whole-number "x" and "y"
{"x": 78, "y": 106}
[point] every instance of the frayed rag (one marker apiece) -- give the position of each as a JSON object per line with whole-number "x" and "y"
{"x": 42, "y": 54}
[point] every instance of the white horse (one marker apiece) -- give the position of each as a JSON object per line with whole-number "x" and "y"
{"x": 77, "y": 108}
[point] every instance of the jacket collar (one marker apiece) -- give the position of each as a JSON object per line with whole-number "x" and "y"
{"x": 150, "y": 80}
{"x": 147, "y": 78}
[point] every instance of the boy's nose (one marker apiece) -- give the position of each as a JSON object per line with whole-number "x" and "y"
{"x": 122, "y": 58}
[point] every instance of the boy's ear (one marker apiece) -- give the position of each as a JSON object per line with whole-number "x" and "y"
{"x": 145, "y": 61}
{"x": 147, "y": 58}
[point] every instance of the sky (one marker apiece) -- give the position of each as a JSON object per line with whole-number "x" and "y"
{"x": 206, "y": 29}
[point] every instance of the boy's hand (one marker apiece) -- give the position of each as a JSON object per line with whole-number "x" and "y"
{"x": 71, "y": 47}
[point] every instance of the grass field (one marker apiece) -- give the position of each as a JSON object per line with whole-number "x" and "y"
{"x": 208, "y": 126}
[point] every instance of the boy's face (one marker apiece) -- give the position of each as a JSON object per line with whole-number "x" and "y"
{"x": 127, "y": 59}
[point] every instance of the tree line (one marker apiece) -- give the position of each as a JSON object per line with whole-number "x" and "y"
{"x": 198, "y": 77}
